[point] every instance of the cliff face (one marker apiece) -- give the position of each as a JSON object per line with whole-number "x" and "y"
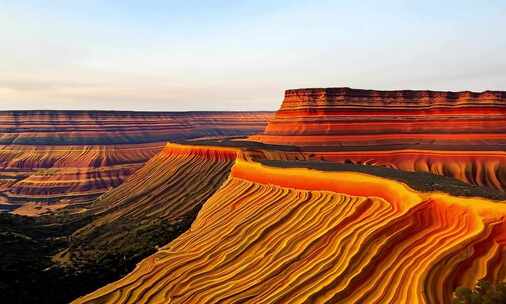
{"x": 294, "y": 235}
{"x": 157, "y": 203}
{"x": 384, "y": 119}
{"x": 409, "y": 130}
{"x": 53, "y": 158}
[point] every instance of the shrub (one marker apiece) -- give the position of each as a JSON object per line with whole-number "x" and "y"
{"x": 483, "y": 293}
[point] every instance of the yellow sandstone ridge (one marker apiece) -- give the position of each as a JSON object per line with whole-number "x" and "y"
{"x": 294, "y": 235}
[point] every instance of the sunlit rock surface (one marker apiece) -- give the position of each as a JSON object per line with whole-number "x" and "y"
{"x": 170, "y": 188}
{"x": 456, "y": 134}
{"x": 55, "y": 158}
{"x": 295, "y": 235}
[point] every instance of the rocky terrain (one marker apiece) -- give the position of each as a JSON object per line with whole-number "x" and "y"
{"x": 117, "y": 127}
{"x": 456, "y": 134}
{"x": 49, "y": 159}
{"x": 286, "y": 235}
{"x": 342, "y": 196}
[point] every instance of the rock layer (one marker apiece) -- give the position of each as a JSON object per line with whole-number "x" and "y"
{"x": 50, "y": 157}
{"x": 67, "y": 173}
{"x": 169, "y": 186}
{"x": 114, "y": 127}
{"x": 278, "y": 235}
{"x": 155, "y": 204}
{"x": 458, "y": 134}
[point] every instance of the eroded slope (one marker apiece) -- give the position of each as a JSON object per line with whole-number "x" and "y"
{"x": 50, "y": 159}
{"x": 279, "y": 235}
{"x": 456, "y": 134}
{"x": 54, "y": 259}
{"x": 167, "y": 191}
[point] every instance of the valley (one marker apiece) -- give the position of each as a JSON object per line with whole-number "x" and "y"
{"x": 307, "y": 205}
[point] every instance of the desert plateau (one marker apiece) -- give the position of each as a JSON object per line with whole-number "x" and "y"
{"x": 252, "y": 152}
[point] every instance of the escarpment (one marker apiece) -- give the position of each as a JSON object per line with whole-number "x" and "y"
{"x": 170, "y": 186}
{"x": 117, "y": 127}
{"x": 152, "y": 207}
{"x": 348, "y": 196}
{"x": 456, "y": 134}
{"x": 57, "y": 158}
{"x": 82, "y": 251}
{"x": 295, "y": 235}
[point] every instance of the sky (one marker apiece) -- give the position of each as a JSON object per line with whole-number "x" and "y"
{"x": 240, "y": 55}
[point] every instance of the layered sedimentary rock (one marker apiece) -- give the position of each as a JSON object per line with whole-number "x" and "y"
{"x": 294, "y": 235}
{"x": 171, "y": 186}
{"x": 458, "y": 134}
{"x": 152, "y": 207}
{"x": 61, "y": 157}
{"x": 114, "y": 127}
{"x": 56, "y": 258}
{"x": 50, "y": 174}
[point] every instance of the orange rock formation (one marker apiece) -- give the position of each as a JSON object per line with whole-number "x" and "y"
{"x": 171, "y": 187}
{"x": 55, "y": 156}
{"x": 458, "y": 134}
{"x": 278, "y": 235}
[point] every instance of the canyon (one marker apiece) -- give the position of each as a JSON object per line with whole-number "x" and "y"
{"x": 278, "y": 235}
{"x": 341, "y": 196}
{"x": 55, "y": 158}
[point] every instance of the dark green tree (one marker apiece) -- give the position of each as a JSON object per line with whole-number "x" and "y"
{"x": 482, "y": 293}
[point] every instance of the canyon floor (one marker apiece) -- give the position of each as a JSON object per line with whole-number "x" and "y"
{"x": 341, "y": 196}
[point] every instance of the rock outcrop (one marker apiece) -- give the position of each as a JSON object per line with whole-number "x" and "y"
{"x": 63, "y": 157}
{"x": 294, "y": 235}
{"x": 457, "y": 134}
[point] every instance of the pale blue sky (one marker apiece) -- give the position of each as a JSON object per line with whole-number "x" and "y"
{"x": 240, "y": 55}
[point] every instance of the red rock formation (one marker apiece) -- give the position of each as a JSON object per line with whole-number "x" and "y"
{"x": 415, "y": 129}
{"x": 50, "y": 173}
{"x": 71, "y": 156}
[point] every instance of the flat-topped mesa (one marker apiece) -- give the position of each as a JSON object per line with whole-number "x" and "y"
{"x": 368, "y": 119}
{"x": 415, "y": 98}
{"x": 379, "y": 127}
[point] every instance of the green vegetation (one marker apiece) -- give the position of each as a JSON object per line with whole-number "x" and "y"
{"x": 28, "y": 273}
{"x": 483, "y": 293}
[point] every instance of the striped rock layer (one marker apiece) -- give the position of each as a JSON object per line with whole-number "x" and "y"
{"x": 171, "y": 187}
{"x": 51, "y": 174}
{"x": 62, "y": 157}
{"x": 111, "y": 127}
{"x": 278, "y": 235}
{"x": 457, "y": 134}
